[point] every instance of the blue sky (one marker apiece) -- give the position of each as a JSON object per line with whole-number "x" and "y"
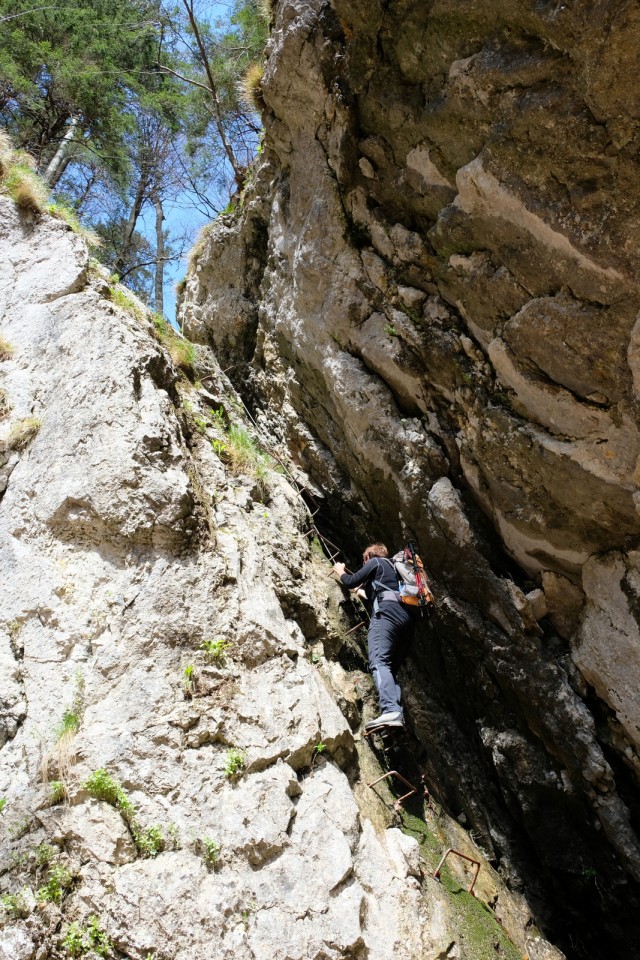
{"x": 181, "y": 216}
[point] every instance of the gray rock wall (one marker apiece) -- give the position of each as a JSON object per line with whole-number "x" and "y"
{"x": 111, "y": 580}
{"x": 159, "y": 801}
{"x": 436, "y": 265}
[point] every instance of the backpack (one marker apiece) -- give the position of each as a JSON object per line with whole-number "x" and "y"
{"x": 412, "y": 580}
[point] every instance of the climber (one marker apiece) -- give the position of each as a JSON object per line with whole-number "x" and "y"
{"x": 389, "y": 629}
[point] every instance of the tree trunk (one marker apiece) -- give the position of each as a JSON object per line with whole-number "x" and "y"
{"x": 61, "y": 158}
{"x": 136, "y": 209}
{"x": 159, "y": 277}
{"x": 238, "y": 170}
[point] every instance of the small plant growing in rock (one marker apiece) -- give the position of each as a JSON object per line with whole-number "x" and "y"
{"x": 3, "y": 803}
{"x": 218, "y": 418}
{"x": 26, "y": 189}
{"x": 57, "y": 792}
{"x": 244, "y": 456}
{"x": 215, "y": 650}
{"x": 44, "y": 854}
{"x": 6, "y": 349}
{"x": 181, "y": 350}
{"x": 390, "y": 330}
{"x": 320, "y": 747}
{"x": 17, "y": 905}
{"x": 21, "y": 828}
{"x": 68, "y": 725}
{"x": 210, "y": 851}
{"x": 23, "y": 432}
{"x": 102, "y": 786}
{"x": 122, "y": 299}
{"x": 58, "y": 882}
{"x": 17, "y": 860}
{"x": 189, "y": 680}
{"x": 234, "y": 762}
{"x": 200, "y": 424}
{"x": 62, "y": 755}
{"x": 149, "y": 841}
{"x": 62, "y": 212}
{"x": 79, "y": 940}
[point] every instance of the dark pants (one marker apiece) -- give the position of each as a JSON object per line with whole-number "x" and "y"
{"x": 389, "y": 632}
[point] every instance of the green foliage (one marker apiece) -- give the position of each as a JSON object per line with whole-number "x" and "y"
{"x": 211, "y": 851}
{"x": 390, "y": 330}
{"x": 69, "y": 724}
{"x": 79, "y": 939}
{"x": 189, "y": 683}
{"x": 57, "y": 791}
{"x": 149, "y": 840}
{"x": 102, "y": 786}
{"x": 58, "y": 882}
{"x": 230, "y": 208}
{"x": 124, "y": 300}
{"x": 78, "y": 58}
{"x": 234, "y": 762}
{"x": 201, "y": 424}
{"x": 219, "y": 418}
{"x": 65, "y": 213}
{"x": 181, "y": 350}
{"x": 3, "y": 803}
{"x": 16, "y": 904}
{"x": 244, "y": 456}
{"x": 320, "y": 747}
{"x": 44, "y": 854}
{"x": 481, "y": 934}
{"x": 215, "y": 650}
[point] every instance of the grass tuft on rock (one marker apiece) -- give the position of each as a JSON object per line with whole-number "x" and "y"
{"x": 6, "y": 349}
{"x": 23, "y": 432}
{"x": 26, "y": 189}
{"x": 5, "y": 406}
{"x": 181, "y": 350}
{"x": 198, "y": 247}
{"x": 62, "y": 212}
{"x": 250, "y": 88}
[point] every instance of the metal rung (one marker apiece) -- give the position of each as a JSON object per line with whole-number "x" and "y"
{"x": 394, "y": 773}
{"x": 436, "y": 874}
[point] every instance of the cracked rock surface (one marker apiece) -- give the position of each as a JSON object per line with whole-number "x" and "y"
{"x": 126, "y": 544}
{"x": 430, "y": 294}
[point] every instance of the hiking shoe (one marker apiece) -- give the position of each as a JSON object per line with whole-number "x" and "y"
{"x": 386, "y": 720}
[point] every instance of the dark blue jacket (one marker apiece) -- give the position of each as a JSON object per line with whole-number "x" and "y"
{"x": 378, "y": 569}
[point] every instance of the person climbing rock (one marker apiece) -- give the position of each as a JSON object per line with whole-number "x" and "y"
{"x": 389, "y": 629}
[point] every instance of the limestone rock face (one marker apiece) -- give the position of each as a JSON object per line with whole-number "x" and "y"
{"x": 180, "y": 767}
{"x": 433, "y": 285}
